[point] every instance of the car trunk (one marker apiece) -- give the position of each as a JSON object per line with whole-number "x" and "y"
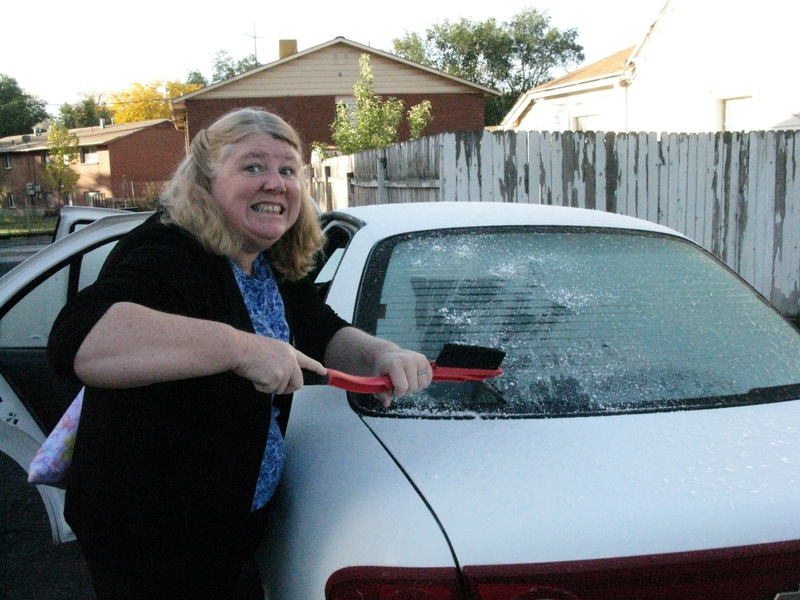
{"x": 699, "y": 503}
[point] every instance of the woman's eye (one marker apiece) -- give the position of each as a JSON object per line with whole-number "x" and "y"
{"x": 287, "y": 171}
{"x": 253, "y": 169}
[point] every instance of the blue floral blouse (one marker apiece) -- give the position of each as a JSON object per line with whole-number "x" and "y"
{"x": 265, "y": 305}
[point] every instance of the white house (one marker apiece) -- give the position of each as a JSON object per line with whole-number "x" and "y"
{"x": 702, "y": 66}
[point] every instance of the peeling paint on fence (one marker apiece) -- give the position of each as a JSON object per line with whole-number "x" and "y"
{"x": 736, "y": 194}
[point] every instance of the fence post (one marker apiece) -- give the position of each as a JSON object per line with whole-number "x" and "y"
{"x": 382, "y": 199}
{"x": 351, "y": 191}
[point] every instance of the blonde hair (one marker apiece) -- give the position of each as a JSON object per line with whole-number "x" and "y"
{"x": 187, "y": 201}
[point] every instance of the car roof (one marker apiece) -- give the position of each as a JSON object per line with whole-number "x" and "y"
{"x": 390, "y": 219}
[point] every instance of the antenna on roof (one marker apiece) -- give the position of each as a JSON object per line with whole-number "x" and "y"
{"x": 255, "y": 45}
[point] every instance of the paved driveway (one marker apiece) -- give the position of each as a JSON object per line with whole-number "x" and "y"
{"x": 31, "y": 566}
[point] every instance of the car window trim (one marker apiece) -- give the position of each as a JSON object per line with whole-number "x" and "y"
{"x": 73, "y": 261}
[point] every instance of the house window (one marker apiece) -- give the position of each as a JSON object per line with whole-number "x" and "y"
{"x": 47, "y": 159}
{"x": 6, "y": 161}
{"x": 350, "y": 104}
{"x": 738, "y": 114}
{"x": 93, "y": 198}
{"x": 588, "y": 123}
{"x": 11, "y": 201}
{"x": 89, "y": 155}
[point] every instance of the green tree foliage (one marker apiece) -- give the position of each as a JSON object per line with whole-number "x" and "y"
{"x": 419, "y": 116}
{"x": 195, "y": 77}
{"x": 511, "y": 57}
{"x": 19, "y": 111}
{"x": 412, "y": 47}
{"x": 86, "y": 113}
{"x": 145, "y": 101}
{"x": 224, "y": 66}
{"x": 373, "y": 121}
{"x": 63, "y": 150}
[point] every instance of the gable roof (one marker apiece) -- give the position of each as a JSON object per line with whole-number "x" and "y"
{"x": 304, "y": 74}
{"x": 87, "y": 136}
{"x": 603, "y": 72}
{"x": 610, "y": 67}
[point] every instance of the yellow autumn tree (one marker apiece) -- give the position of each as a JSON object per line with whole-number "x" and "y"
{"x": 145, "y": 101}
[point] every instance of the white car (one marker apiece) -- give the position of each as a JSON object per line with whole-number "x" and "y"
{"x": 643, "y": 441}
{"x": 74, "y": 218}
{"x": 32, "y": 398}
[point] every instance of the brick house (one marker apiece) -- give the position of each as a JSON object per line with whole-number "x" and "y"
{"x": 304, "y": 88}
{"x": 117, "y": 163}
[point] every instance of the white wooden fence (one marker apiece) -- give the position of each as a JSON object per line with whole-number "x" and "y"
{"x": 736, "y": 194}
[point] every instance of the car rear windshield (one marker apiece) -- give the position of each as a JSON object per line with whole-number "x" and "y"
{"x": 592, "y": 322}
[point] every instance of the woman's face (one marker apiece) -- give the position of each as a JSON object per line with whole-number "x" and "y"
{"x": 257, "y": 186}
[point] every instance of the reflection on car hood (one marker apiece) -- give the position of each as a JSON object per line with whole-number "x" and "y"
{"x": 531, "y": 490}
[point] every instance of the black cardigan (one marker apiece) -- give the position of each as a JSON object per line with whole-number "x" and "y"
{"x": 177, "y": 460}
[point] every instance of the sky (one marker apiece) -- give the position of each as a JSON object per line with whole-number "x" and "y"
{"x": 61, "y": 51}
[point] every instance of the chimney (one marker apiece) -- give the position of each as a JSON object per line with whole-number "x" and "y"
{"x": 286, "y": 48}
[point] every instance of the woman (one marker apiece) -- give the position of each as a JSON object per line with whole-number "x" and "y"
{"x": 181, "y": 343}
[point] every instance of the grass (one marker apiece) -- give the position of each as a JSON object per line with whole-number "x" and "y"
{"x": 16, "y": 224}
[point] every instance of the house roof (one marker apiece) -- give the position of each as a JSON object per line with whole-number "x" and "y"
{"x": 87, "y": 136}
{"x": 611, "y": 68}
{"x": 179, "y": 106}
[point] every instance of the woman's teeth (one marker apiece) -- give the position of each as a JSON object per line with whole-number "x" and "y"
{"x": 268, "y": 208}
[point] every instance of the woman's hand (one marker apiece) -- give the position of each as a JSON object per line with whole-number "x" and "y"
{"x": 359, "y": 353}
{"x": 273, "y": 366}
{"x": 409, "y": 372}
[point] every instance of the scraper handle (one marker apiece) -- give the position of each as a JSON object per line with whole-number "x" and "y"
{"x": 375, "y": 385}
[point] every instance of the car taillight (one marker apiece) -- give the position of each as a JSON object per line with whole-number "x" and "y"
{"x": 378, "y": 583}
{"x": 742, "y": 573}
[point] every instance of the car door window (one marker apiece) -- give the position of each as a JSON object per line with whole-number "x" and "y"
{"x": 27, "y": 323}
{"x": 337, "y": 236}
{"x": 25, "y": 328}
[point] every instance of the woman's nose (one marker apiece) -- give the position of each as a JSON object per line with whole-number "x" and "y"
{"x": 273, "y": 181}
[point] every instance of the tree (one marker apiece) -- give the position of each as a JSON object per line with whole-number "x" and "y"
{"x": 19, "y": 111}
{"x": 144, "y": 101}
{"x": 224, "y": 66}
{"x": 512, "y": 57}
{"x": 373, "y": 121}
{"x": 195, "y": 77}
{"x": 86, "y": 113}
{"x": 63, "y": 150}
{"x": 419, "y": 116}
{"x": 412, "y": 47}
{"x": 175, "y": 88}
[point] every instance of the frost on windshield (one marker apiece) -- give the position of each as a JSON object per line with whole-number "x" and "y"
{"x": 592, "y": 322}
